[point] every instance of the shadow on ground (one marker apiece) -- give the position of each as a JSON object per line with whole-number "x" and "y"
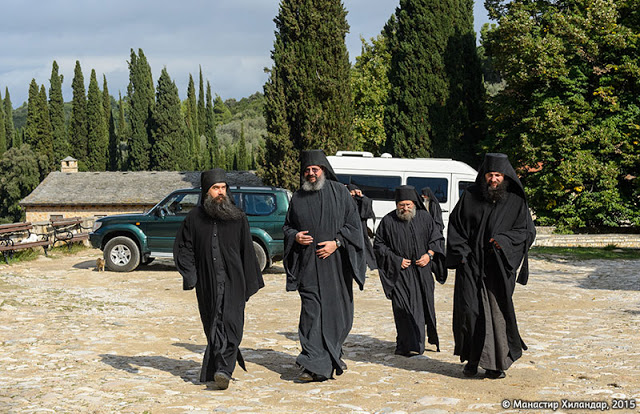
{"x": 180, "y": 368}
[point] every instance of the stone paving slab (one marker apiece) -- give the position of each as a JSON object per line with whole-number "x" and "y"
{"x": 76, "y": 340}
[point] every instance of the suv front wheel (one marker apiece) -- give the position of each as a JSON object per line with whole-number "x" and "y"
{"x": 261, "y": 255}
{"x": 121, "y": 254}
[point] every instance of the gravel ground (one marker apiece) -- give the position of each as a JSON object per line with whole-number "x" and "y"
{"x": 76, "y": 340}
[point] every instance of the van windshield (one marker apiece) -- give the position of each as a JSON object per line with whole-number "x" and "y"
{"x": 377, "y": 187}
{"x": 439, "y": 186}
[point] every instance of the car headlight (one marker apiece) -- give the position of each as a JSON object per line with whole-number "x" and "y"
{"x": 96, "y": 225}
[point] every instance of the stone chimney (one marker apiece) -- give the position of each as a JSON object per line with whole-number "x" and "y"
{"x": 69, "y": 165}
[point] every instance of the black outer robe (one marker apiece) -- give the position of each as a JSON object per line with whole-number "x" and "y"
{"x": 325, "y": 285}
{"x": 410, "y": 290}
{"x": 484, "y": 321}
{"x": 365, "y": 210}
{"x": 192, "y": 252}
{"x": 434, "y": 208}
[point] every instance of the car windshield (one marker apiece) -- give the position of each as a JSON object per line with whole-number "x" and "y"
{"x": 179, "y": 204}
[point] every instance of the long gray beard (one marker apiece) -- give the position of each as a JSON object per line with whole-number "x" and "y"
{"x": 408, "y": 216}
{"x": 317, "y": 186}
{"x": 493, "y": 195}
{"x": 224, "y": 210}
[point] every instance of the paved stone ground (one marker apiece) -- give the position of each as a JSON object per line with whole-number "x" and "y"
{"x": 76, "y": 340}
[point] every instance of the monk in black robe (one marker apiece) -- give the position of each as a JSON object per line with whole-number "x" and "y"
{"x": 433, "y": 207}
{"x": 365, "y": 210}
{"x": 214, "y": 253}
{"x": 409, "y": 247}
{"x": 490, "y": 232}
{"x": 323, "y": 254}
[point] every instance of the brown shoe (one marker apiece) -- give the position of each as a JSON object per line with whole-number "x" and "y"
{"x": 305, "y": 376}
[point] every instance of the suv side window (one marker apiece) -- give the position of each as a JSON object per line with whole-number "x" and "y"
{"x": 258, "y": 204}
{"x": 180, "y": 204}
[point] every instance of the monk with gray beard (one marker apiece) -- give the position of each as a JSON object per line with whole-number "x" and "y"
{"x": 409, "y": 249}
{"x": 214, "y": 253}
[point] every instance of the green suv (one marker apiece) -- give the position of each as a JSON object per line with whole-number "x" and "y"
{"x": 129, "y": 240}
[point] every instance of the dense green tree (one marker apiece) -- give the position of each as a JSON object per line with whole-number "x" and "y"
{"x": 168, "y": 131}
{"x": 210, "y": 131}
{"x": 202, "y": 113}
{"x": 97, "y": 132}
{"x": 141, "y": 97}
{"x": 44, "y": 133}
{"x": 3, "y": 139}
{"x": 221, "y": 112}
{"x": 123, "y": 135}
{"x": 113, "y": 144}
{"x": 191, "y": 121}
{"x": 570, "y": 112}
{"x": 21, "y": 170}
{"x": 33, "y": 116}
{"x": 436, "y": 96}
{"x": 308, "y": 89}
{"x": 370, "y": 88}
{"x": 61, "y": 147}
{"x": 242, "y": 156}
{"x": 8, "y": 118}
{"x": 78, "y": 118}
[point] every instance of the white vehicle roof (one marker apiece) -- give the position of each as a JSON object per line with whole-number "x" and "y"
{"x": 366, "y": 161}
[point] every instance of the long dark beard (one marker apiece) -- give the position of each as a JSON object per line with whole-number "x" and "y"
{"x": 307, "y": 186}
{"x": 221, "y": 208}
{"x": 493, "y": 195}
{"x": 406, "y": 216}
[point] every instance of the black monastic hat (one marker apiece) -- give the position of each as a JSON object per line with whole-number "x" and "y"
{"x": 211, "y": 177}
{"x": 316, "y": 157}
{"x": 408, "y": 192}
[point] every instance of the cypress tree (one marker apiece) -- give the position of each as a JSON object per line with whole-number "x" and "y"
{"x": 210, "y": 132}
{"x": 191, "y": 120}
{"x": 202, "y": 114}
{"x": 56, "y": 113}
{"x": 3, "y": 132}
{"x": 43, "y": 144}
{"x": 123, "y": 135}
{"x": 78, "y": 119}
{"x": 243, "y": 162}
{"x": 221, "y": 111}
{"x": 113, "y": 145}
{"x": 33, "y": 116}
{"x": 308, "y": 94}
{"x": 97, "y": 134}
{"x": 168, "y": 126}
{"x": 8, "y": 119}
{"x": 141, "y": 99}
{"x": 435, "y": 100}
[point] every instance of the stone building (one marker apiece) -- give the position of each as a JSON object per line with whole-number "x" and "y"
{"x": 69, "y": 193}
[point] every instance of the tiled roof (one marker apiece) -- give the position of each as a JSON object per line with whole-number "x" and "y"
{"x": 109, "y": 188}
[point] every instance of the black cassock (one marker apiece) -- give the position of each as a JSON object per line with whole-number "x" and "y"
{"x": 484, "y": 320}
{"x": 410, "y": 290}
{"x": 325, "y": 285}
{"x": 365, "y": 210}
{"x": 218, "y": 259}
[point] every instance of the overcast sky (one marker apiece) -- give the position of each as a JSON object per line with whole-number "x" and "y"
{"x": 230, "y": 39}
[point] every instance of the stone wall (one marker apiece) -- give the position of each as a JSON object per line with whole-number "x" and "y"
{"x": 36, "y": 214}
{"x": 546, "y": 238}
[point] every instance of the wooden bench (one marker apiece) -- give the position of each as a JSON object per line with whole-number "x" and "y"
{"x": 11, "y": 240}
{"x": 68, "y": 230}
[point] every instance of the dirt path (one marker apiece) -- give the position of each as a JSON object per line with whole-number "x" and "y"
{"x": 76, "y": 340}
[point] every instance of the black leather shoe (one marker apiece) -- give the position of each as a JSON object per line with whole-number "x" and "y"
{"x": 494, "y": 374}
{"x": 343, "y": 365}
{"x": 470, "y": 370}
{"x": 222, "y": 380}
{"x": 305, "y": 376}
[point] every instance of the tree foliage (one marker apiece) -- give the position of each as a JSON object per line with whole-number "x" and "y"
{"x": 141, "y": 96}
{"x": 435, "y": 102}
{"x": 97, "y": 133}
{"x": 61, "y": 147}
{"x": 78, "y": 120}
{"x": 3, "y": 138}
{"x": 8, "y": 118}
{"x": 308, "y": 93}
{"x": 570, "y": 113}
{"x": 21, "y": 170}
{"x": 170, "y": 147}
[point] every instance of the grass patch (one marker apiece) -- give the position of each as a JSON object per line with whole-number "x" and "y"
{"x": 585, "y": 253}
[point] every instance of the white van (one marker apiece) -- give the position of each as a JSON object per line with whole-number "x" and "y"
{"x": 378, "y": 177}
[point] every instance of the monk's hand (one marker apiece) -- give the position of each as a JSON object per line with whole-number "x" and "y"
{"x": 326, "y": 249}
{"x": 495, "y": 243}
{"x": 423, "y": 260}
{"x": 303, "y": 238}
{"x": 405, "y": 263}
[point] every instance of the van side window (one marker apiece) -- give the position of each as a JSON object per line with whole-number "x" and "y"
{"x": 377, "y": 187}
{"x": 439, "y": 186}
{"x": 462, "y": 185}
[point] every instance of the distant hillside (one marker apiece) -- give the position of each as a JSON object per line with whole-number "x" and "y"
{"x": 247, "y": 111}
